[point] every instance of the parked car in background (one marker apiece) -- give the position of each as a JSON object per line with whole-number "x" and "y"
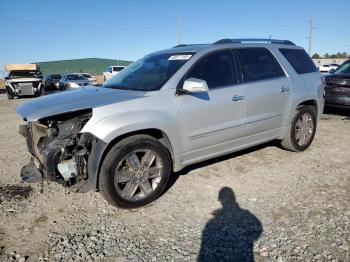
{"x": 334, "y": 65}
{"x": 170, "y": 109}
{"x": 327, "y": 68}
{"x": 92, "y": 79}
{"x": 338, "y": 87}
{"x": 111, "y": 71}
{"x": 23, "y": 80}
{"x": 71, "y": 81}
{"x": 52, "y": 82}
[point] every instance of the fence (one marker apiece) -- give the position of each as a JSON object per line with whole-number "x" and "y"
{"x": 326, "y": 61}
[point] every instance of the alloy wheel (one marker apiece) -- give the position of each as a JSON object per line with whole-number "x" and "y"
{"x": 138, "y": 174}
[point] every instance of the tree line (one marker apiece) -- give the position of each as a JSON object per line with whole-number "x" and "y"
{"x": 331, "y": 56}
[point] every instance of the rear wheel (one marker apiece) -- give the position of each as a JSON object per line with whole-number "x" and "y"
{"x": 135, "y": 172}
{"x": 303, "y": 129}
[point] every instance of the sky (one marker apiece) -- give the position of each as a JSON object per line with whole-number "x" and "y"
{"x": 46, "y": 30}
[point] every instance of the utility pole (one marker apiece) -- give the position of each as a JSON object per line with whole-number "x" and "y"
{"x": 179, "y": 29}
{"x": 310, "y": 33}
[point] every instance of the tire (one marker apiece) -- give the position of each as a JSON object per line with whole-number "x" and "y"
{"x": 38, "y": 93}
{"x": 10, "y": 95}
{"x": 293, "y": 141}
{"x": 140, "y": 187}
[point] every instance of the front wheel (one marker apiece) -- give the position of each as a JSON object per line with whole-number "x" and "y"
{"x": 10, "y": 94}
{"x": 135, "y": 172}
{"x": 303, "y": 129}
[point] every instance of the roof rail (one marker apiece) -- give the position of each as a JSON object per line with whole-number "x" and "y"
{"x": 242, "y": 40}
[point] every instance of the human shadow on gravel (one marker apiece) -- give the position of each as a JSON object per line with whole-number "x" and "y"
{"x": 230, "y": 235}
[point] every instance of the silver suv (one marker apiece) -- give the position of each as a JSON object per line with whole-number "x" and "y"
{"x": 171, "y": 109}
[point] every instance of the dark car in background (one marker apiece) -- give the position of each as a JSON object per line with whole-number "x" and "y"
{"x": 52, "y": 82}
{"x": 338, "y": 87}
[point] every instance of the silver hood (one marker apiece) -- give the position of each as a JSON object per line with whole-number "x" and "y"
{"x": 78, "y": 99}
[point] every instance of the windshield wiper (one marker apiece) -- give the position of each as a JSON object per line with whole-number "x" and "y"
{"x": 117, "y": 87}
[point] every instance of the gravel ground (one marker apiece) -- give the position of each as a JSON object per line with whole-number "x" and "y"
{"x": 262, "y": 204}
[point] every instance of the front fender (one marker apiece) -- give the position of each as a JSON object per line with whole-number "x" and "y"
{"x": 113, "y": 126}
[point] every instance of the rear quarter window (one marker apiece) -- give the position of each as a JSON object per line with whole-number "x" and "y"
{"x": 299, "y": 60}
{"x": 259, "y": 64}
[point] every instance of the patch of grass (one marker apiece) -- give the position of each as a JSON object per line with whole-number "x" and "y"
{"x": 2, "y": 84}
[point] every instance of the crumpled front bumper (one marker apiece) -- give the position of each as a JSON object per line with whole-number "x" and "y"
{"x": 45, "y": 165}
{"x": 25, "y": 88}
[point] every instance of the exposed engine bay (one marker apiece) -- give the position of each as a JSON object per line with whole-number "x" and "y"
{"x": 59, "y": 152}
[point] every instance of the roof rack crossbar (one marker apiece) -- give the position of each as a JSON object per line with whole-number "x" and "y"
{"x": 243, "y": 40}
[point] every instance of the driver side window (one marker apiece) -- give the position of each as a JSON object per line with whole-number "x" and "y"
{"x": 217, "y": 69}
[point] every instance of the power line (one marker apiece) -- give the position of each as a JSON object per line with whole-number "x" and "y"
{"x": 172, "y": 16}
{"x": 101, "y": 27}
{"x": 214, "y": 12}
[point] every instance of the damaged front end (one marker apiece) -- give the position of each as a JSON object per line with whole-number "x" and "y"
{"x": 59, "y": 152}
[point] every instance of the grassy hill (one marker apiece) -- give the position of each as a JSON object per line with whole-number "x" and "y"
{"x": 94, "y": 66}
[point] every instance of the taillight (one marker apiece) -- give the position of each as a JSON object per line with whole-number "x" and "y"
{"x": 323, "y": 80}
{"x": 322, "y": 91}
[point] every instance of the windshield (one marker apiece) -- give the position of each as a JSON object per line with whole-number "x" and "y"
{"x": 344, "y": 68}
{"x": 86, "y": 75}
{"x": 24, "y": 74}
{"x": 149, "y": 73}
{"x": 75, "y": 77}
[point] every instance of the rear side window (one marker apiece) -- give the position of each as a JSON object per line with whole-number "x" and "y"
{"x": 299, "y": 60}
{"x": 217, "y": 69}
{"x": 259, "y": 64}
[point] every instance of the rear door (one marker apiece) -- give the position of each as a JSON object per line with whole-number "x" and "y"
{"x": 306, "y": 79}
{"x": 212, "y": 122}
{"x": 268, "y": 91}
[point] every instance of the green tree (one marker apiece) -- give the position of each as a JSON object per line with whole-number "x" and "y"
{"x": 316, "y": 56}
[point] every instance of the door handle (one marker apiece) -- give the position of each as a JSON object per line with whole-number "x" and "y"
{"x": 237, "y": 98}
{"x": 285, "y": 89}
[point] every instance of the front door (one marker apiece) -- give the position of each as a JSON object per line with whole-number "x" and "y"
{"x": 212, "y": 121}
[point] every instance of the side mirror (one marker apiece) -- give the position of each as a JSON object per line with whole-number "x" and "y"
{"x": 331, "y": 71}
{"x": 195, "y": 85}
{"x": 6, "y": 78}
{"x": 110, "y": 70}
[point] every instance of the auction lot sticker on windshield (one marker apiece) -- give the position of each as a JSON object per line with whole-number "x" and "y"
{"x": 180, "y": 57}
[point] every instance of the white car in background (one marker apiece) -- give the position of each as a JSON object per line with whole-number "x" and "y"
{"x": 327, "y": 68}
{"x": 111, "y": 71}
{"x": 92, "y": 79}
